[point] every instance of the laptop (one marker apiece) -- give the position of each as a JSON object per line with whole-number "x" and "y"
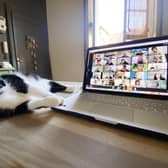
{"x": 125, "y": 83}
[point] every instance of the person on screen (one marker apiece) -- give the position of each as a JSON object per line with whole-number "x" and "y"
{"x": 111, "y": 76}
{"x": 97, "y": 70}
{"x": 155, "y": 51}
{"x": 98, "y": 61}
{"x": 158, "y": 76}
{"x": 97, "y": 75}
{"x": 110, "y": 69}
{"x": 157, "y": 55}
{"x": 123, "y": 62}
{"x": 136, "y": 75}
{"x": 139, "y": 55}
{"x": 140, "y": 68}
{"x": 134, "y": 67}
{"x": 140, "y": 59}
{"x": 109, "y": 61}
{"x": 124, "y": 69}
{"x": 137, "y": 83}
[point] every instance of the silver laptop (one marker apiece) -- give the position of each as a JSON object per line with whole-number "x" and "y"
{"x": 125, "y": 83}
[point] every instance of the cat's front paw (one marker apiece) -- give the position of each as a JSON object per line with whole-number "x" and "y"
{"x": 54, "y": 101}
{"x": 60, "y": 100}
{"x": 70, "y": 89}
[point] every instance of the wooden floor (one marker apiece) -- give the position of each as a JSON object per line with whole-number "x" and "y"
{"x": 47, "y": 139}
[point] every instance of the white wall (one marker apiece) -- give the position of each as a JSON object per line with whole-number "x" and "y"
{"x": 66, "y": 38}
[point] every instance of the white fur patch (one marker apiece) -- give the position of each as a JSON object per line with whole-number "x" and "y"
{"x": 70, "y": 89}
{"x": 47, "y": 101}
{"x": 10, "y": 98}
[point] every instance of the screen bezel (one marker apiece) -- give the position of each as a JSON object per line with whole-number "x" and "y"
{"x": 126, "y": 45}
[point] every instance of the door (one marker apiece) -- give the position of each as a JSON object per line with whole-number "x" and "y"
{"x": 26, "y": 40}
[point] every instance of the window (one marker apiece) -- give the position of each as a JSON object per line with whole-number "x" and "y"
{"x": 108, "y": 27}
{"x": 136, "y": 19}
{"x": 111, "y": 21}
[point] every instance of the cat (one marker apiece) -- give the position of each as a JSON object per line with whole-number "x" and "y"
{"x": 20, "y": 93}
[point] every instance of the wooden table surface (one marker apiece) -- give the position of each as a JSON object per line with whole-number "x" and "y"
{"x": 48, "y": 139}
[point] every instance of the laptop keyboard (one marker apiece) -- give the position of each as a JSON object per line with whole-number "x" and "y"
{"x": 140, "y": 104}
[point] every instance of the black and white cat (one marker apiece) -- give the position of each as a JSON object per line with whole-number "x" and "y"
{"x": 20, "y": 93}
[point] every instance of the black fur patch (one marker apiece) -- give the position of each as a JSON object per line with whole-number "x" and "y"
{"x": 21, "y": 109}
{"x": 55, "y": 87}
{"x": 2, "y": 83}
{"x": 16, "y": 82}
{"x": 6, "y": 113}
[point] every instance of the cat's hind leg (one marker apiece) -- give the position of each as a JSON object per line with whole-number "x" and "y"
{"x": 31, "y": 105}
{"x": 9, "y": 112}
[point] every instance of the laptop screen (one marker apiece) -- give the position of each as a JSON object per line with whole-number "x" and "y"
{"x": 137, "y": 67}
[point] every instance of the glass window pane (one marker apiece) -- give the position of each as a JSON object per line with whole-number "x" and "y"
{"x": 109, "y": 21}
{"x": 137, "y": 20}
{"x": 137, "y": 4}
